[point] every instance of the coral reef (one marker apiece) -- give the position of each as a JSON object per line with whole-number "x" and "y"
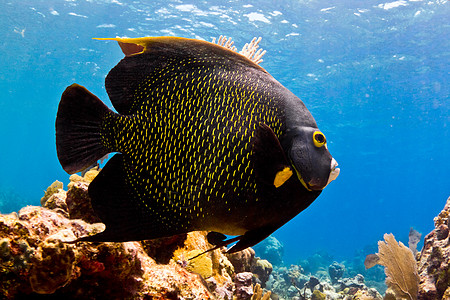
{"x": 317, "y": 262}
{"x": 38, "y": 255}
{"x": 243, "y": 282}
{"x": 294, "y": 283}
{"x": 200, "y": 264}
{"x": 434, "y": 259}
{"x": 245, "y": 261}
{"x": 55, "y": 187}
{"x": 258, "y": 293}
{"x": 414, "y": 239}
{"x": 411, "y": 275}
{"x": 36, "y": 258}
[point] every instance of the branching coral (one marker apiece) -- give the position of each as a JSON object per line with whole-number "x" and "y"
{"x": 250, "y": 50}
{"x": 258, "y": 293}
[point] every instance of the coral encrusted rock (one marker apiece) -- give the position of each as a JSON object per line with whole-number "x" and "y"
{"x": 434, "y": 259}
{"x": 38, "y": 256}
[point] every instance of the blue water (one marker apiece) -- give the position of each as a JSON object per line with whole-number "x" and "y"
{"x": 374, "y": 74}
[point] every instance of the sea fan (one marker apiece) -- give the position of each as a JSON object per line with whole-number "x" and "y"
{"x": 400, "y": 265}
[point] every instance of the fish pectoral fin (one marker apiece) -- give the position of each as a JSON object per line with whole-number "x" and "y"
{"x": 271, "y": 164}
{"x": 251, "y": 238}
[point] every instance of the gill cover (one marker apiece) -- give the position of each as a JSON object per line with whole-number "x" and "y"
{"x": 307, "y": 150}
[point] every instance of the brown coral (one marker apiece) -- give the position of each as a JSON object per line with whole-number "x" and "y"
{"x": 196, "y": 243}
{"x": 55, "y": 187}
{"x": 201, "y": 264}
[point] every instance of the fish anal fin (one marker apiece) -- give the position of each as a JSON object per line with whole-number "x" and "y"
{"x": 110, "y": 201}
{"x": 271, "y": 164}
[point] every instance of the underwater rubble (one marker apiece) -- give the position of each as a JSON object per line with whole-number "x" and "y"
{"x": 38, "y": 257}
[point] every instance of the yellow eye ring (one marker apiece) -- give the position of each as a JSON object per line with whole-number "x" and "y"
{"x": 319, "y": 139}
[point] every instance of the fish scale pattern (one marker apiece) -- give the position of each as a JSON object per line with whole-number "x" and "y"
{"x": 188, "y": 145}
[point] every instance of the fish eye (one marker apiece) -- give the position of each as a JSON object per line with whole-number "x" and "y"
{"x": 319, "y": 139}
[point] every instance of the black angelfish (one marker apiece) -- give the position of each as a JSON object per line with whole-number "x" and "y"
{"x": 207, "y": 140}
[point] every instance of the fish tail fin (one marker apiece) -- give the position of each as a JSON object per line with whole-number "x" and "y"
{"x": 78, "y": 129}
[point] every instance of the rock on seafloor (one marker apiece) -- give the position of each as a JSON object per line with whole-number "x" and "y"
{"x": 434, "y": 259}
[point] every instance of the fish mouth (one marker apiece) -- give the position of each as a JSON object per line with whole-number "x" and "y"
{"x": 317, "y": 185}
{"x": 334, "y": 171}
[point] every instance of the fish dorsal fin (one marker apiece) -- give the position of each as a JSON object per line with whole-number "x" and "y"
{"x": 148, "y": 59}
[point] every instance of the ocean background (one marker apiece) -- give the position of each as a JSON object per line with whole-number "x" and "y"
{"x": 374, "y": 74}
